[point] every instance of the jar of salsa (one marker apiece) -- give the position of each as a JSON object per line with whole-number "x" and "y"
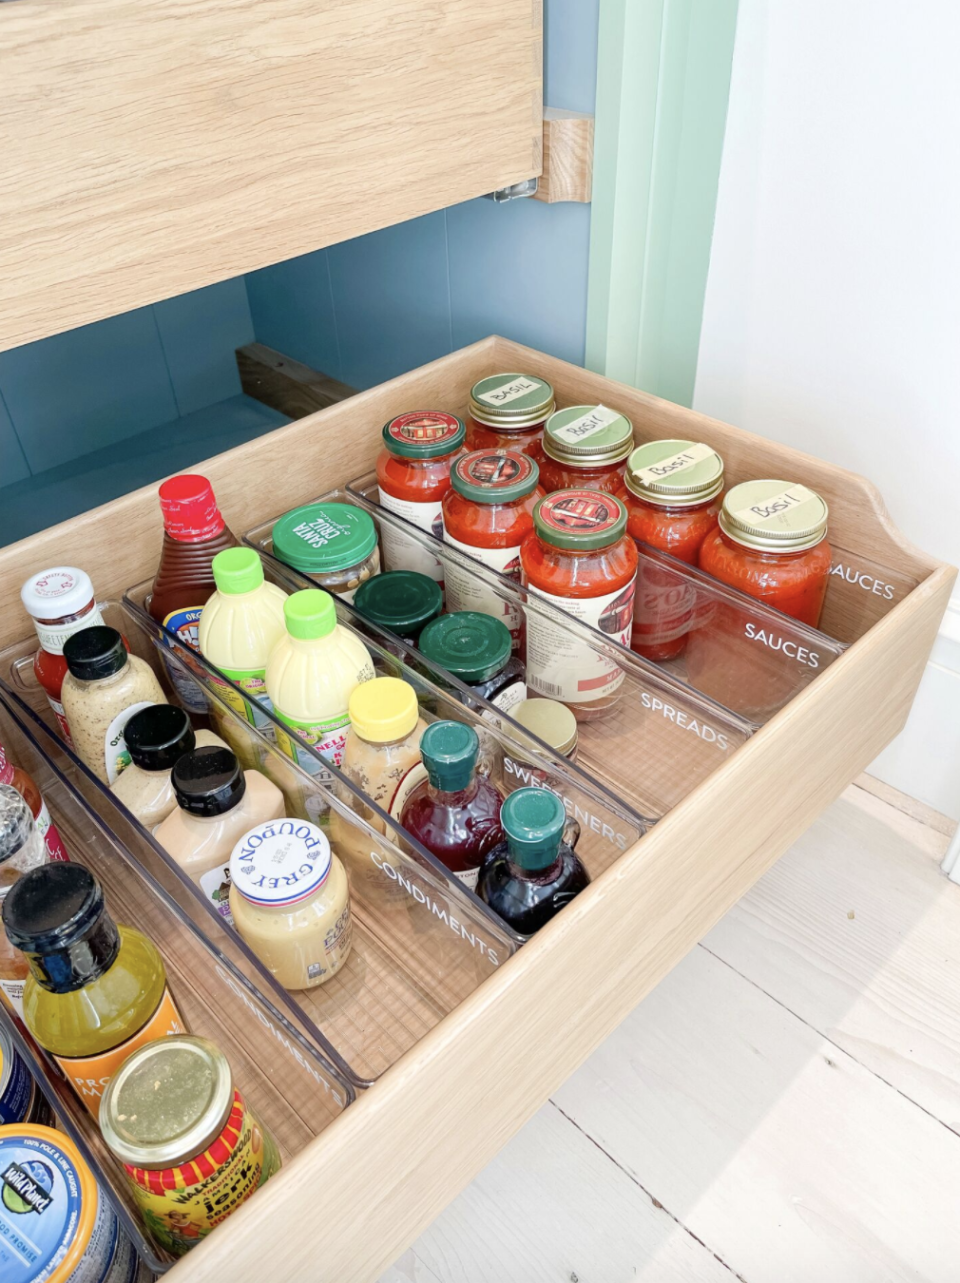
{"x": 413, "y": 475}
{"x": 586, "y": 445}
{"x": 673, "y": 495}
{"x": 60, "y": 601}
{"x": 335, "y": 544}
{"x": 487, "y": 513}
{"x": 580, "y": 559}
{"x": 771, "y": 543}
{"x": 508, "y": 411}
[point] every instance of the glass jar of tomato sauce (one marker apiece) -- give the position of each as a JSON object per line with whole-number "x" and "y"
{"x": 580, "y": 559}
{"x": 413, "y": 475}
{"x": 508, "y": 411}
{"x": 586, "y": 445}
{"x": 771, "y": 542}
{"x": 673, "y": 495}
{"x": 487, "y": 513}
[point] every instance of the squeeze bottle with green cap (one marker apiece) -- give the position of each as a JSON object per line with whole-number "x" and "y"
{"x": 239, "y": 627}
{"x": 533, "y": 873}
{"x": 311, "y": 674}
{"x": 454, "y": 812}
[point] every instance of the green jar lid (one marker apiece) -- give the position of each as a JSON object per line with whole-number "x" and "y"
{"x": 494, "y": 476}
{"x": 774, "y": 516}
{"x": 580, "y": 519}
{"x": 588, "y": 434}
{"x": 237, "y": 570}
{"x": 401, "y": 600}
{"x": 533, "y": 820}
{"x": 321, "y": 537}
{"x": 449, "y": 751}
{"x": 309, "y": 614}
{"x": 468, "y": 644}
{"x": 424, "y": 434}
{"x": 674, "y": 473}
{"x": 511, "y": 400}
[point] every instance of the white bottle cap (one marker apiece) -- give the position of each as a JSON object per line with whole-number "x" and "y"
{"x": 56, "y": 593}
{"x": 280, "y": 862}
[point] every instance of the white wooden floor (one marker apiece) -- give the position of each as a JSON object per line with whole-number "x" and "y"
{"x": 784, "y": 1108}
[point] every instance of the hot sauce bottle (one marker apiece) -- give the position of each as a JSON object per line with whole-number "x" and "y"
{"x": 586, "y": 445}
{"x": 454, "y": 812}
{"x": 530, "y": 876}
{"x": 673, "y": 498}
{"x": 508, "y": 411}
{"x": 60, "y": 601}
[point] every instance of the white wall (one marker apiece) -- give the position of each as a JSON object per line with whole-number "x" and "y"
{"x": 832, "y": 316}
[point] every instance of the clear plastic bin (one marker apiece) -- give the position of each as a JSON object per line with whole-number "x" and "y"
{"x": 421, "y": 942}
{"x": 294, "y": 1089}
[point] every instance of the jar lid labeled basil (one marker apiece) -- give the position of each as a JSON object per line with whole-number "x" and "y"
{"x": 774, "y": 516}
{"x": 424, "y": 434}
{"x": 588, "y": 434}
{"x": 580, "y": 519}
{"x": 511, "y": 400}
{"x": 323, "y": 537}
{"x": 678, "y": 473}
{"x": 494, "y": 476}
{"x": 401, "y": 600}
{"x": 472, "y": 646}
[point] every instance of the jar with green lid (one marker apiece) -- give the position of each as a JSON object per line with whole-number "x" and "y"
{"x": 586, "y": 445}
{"x": 334, "y": 544}
{"x": 401, "y": 601}
{"x": 477, "y": 649}
{"x": 508, "y": 411}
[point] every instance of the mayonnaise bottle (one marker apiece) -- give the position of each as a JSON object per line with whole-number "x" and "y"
{"x": 311, "y": 674}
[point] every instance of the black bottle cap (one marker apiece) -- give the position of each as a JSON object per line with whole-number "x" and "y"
{"x": 95, "y": 652}
{"x": 158, "y": 736}
{"x": 208, "y": 781}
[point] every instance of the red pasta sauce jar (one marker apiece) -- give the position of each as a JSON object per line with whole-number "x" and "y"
{"x": 586, "y": 446}
{"x": 508, "y": 411}
{"x": 673, "y": 496}
{"x": 413, "y": 475}
{"x": 580, "y": 559}
{"x": 487, "y": 514}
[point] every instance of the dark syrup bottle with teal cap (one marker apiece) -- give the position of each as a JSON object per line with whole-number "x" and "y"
{"x": 454, "y": 812}
{"x": 529, "y": 877}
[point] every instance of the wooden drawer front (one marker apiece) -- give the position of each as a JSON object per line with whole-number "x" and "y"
{"x": 153, "y": 149}
{"x": 361, "y": 1191}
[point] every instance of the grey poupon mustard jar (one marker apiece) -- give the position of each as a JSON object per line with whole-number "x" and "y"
{"x": 508, "y": 411}
{"x": 586, "y": 445}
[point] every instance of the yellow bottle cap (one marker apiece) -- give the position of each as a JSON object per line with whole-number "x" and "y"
{"x": 384, "y": 709}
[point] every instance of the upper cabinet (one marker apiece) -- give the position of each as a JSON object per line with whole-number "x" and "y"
{"x": 148, "y": 150}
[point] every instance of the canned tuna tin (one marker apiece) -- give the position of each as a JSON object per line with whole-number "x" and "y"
{"x": 21, "y": 1100}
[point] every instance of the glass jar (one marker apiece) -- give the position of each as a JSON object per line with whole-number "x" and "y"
{"x": 413, "y": 475}
{"x": 673, "y": 496}
{"x": 586, "y": 445}
{"x": 334, "y": 543}
{"x": 771, "y": 543}
{"x": 487, "y": 513}
{"x": 477, "y": 649}
{"x": 60, "y": 601}
{"x": 551, "y": 722}
{"x": 580, "y": 560}
{"x": 508, "y": 411}
{"x": 402, "y": 601}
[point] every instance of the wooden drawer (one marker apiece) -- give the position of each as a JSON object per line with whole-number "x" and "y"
{"x": 363, "y": 1189}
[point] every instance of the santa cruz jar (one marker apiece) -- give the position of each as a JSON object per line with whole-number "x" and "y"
{"x": 413, "y": 475}
{"x": 508, "y": 411}
{"x": 672, "y": 498}
{"x": 772, "y": 543}
{"x": 579, "y": 559}
{"x": 487, "y": 513}
{"x": 586, "y": 445}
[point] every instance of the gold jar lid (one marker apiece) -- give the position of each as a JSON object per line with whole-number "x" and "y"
{"x": 774, "y": 516}
{"x": 511, "y": 401}
{"x": 549, "y": 721}
{"x": 675, "y": 473}
{"x": 167, "y": 1102}
{"x": 588, "y": 435}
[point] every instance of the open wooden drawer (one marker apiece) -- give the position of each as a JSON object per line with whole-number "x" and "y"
{"x": 362, "y": 1190}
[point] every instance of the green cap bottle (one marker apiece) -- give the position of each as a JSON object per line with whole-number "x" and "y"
{"x": 310, "y": 614}
{"x": 533, "y": 820}
{"x": 449, "y": 751}
{"x": 237, "y": 570}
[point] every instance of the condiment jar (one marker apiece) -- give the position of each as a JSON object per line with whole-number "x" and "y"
{"x": 580, "y": 560}
{"x": 60, "y": 601}
{"x": 156, "y": 737}
{"x": 103, "y": 689}
{"x": 192, "y": 1148}
{"x": 477, "y": 649}
{"x": 291, "y": 903}
{"x": 21, "y": 848}
{"x": 585, "y": 445}
{"x": 27, "y": 788}
{"x": 771, "y": 543}
{"x": 21, "y": 1100}
{"x": 673, "y": 498}
{"x": 413, "y": 475}
{"x": 401, "y": 601}
{"x": 383, "y": 742}
{"x": 334, "y": 543}
{"x": 508, "y": 411}
{"x": 551, "y": 722}
{"x": 487, "y": 514}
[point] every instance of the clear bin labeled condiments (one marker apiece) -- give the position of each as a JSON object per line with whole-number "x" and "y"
{"x": 508, "y": 411}
{"x": 402, "y": 601}
{"x": 60, "y": 602}
{"x": 334, "y": 543}
{"x": 580, "y": 560}
{"x": 585, "y": 445}
{"x": 413, "y": 475}
{"x": 771, "y": 543}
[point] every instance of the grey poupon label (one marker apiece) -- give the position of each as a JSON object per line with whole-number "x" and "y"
{"x": 595, "y": 420}
{"x": 509, "y": 391}
{"x": 768, "y": 509}
{"x": 674, "y": 464}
